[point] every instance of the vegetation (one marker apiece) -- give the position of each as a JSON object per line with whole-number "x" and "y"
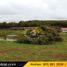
{"x": 12, "y": 51}
{"x": 33, "y": 23}
{"x": 40, "y": 35}
{"x": 32, "y": 44}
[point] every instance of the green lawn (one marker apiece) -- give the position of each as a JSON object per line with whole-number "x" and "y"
{"x": 12, "y": 51}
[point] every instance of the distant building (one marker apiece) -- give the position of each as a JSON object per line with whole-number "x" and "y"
{"x": 64, "y": 29}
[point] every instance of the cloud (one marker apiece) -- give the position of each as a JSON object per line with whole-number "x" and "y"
{"x": 32, "y": 9}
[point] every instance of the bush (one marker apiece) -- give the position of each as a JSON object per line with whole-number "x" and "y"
{"x": 43, "y": 39}
{"x": 22, "y": 39}
{"x": 40, "y": 35}
{"x": 3, "y": 35}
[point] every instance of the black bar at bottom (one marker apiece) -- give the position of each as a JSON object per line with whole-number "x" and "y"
{"x": 12, "y": 64}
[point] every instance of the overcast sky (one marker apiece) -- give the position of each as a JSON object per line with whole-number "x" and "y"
{"x": 13, "y": 10}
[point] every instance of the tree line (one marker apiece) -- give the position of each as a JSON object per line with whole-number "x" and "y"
{"x": 34, "y": 23}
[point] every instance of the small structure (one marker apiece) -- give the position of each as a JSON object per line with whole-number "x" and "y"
{"x": 64, "y": 29}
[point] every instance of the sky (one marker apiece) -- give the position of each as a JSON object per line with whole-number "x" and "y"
{"x": 16, "y": 10}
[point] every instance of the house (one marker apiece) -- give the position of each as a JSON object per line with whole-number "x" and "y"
{"x": 64, "y": 29}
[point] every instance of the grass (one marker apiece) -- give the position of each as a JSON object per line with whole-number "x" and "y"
{"x": 10, "y": 32}
{"x": 12, "y": 51}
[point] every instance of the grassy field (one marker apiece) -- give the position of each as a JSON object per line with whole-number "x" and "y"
{"x": 12, "y": 51}
{"x": 11, "y": 31}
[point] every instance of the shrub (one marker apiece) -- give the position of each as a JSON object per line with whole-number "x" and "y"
{"x": 22, "y": 39}
{"x": 3, "y": 35}
{"x": 43, "y": 39}
{"x": 40, "y": 35}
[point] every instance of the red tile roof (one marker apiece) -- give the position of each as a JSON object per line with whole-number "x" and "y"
{"x": 64, "y": 28}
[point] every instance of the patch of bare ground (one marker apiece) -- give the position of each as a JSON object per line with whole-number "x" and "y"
{"x": 61, "y": 56}
{"x": 11, "y": 50}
